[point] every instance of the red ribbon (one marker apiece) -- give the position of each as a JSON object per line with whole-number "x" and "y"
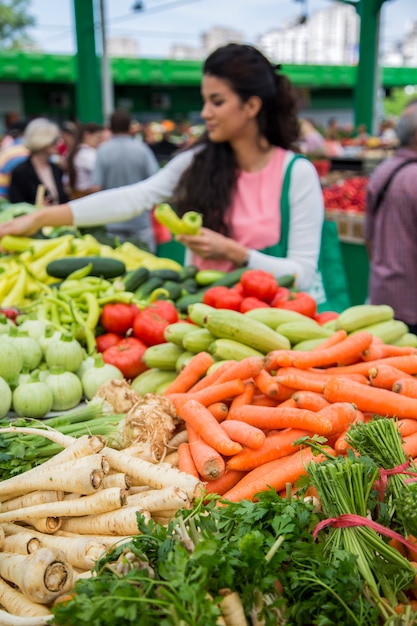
{"x": 381, "y": 483}
{"x": 350, "y": 520}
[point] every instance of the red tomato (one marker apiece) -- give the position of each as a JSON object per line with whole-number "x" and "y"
{"x": 127, "y": 356}
{"x": 301, "y": 302}
{"x": 117, "y": 318}
{"x": 326, "y": 316}
{"x": 283, "y": 293}
{"x": 221, "y": 297}
{"x": 259, "y": 284}
{"x": 149, "y": 327}
{"x": 107, "y": 341}
{"x": 165, "y": 309}
{"x": 250, "y": 303}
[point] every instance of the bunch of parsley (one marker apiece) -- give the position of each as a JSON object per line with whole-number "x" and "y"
{"x": 173, "y": 576}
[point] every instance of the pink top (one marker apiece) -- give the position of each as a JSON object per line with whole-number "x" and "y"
{"x": 254, "y": 217}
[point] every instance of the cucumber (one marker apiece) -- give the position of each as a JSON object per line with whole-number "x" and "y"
{"x": 104, "y": 267}
{"x": 166, "y": 274}
{"x": 228, "y": 280}
{"x": 287, "y": 280}
{"x": 189, "y": 271}
{"x": 173, "y": 288}
{"x": 207, "y": 277}
{"x": 135, "y": 278}
{"x": 189, "y": 285}
{"x": 146, "y": 288}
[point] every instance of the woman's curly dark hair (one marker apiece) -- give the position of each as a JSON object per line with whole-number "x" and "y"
{"x": 207, "y": 185}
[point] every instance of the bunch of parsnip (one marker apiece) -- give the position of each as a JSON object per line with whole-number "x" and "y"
{"x": 57, "y": 519}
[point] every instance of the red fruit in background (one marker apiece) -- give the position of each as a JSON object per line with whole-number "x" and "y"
{"x": 250, "y": 303}
{"x": 259, "y": 284}
{"x": 326, "y": 316}
{"x": 149, "y": 327}
{"x": 165, "y": 309}
{"x": 283, "y": 293}
{"x": 107, "y": 340}
{"x": 117, "y": 318}
{"x": 221, "y": 297}
{"x": 127, "y": 357}
{"x": 301, "y": 302}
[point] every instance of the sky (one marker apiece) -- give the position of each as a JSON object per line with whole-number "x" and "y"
{"x": 161, "y": 23}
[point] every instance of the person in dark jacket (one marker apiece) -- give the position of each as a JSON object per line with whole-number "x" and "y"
{"x": 38, "y": 180}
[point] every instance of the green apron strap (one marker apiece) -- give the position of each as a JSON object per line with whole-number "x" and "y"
{"x": 280, "y": 248}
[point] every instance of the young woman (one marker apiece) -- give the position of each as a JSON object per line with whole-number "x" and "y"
{"x": 236, "y": 175}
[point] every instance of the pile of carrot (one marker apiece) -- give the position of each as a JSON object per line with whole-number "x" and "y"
{"x": 244, "y": 418}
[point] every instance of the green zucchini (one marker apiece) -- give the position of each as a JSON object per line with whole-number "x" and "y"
{"x": 105, "y": 267}
{"x": 135, "y": 278}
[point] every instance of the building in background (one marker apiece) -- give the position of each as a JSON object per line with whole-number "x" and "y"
{"x": 329, "y": 36}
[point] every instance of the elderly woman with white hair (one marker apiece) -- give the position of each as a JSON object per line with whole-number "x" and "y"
{"x": 38, "y": 171}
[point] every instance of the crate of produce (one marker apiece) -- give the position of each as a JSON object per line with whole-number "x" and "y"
{"x": 350, "y": 225}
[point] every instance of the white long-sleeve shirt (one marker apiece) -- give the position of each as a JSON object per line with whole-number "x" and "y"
{"x": 306, "y": 213}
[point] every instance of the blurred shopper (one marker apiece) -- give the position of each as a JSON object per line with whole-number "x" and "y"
{"x": 391, "y": 225}
{"x": 164, "y": 148}
{"x": 262, "y": 208}
{"x": 37, "y": 172}
{"x": 123, "y": 161}
{"x": 82, "y": 158}
{"x": 11, "y": 157}
{"x": 312, "y": 141}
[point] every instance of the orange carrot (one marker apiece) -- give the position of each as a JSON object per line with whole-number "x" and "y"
{"x": 201, "y": 420}
{"x": 410, "y": 445}
{"x": 214, "y": 393}
{"x": 275, "y": 447}
{"x": 367, "y": 398}
{"x": 228, "y": 480}
{"x": 300, "y": 379}
{"x": 406, "y": 363}
{"x": 278, "y": 358}
{"x": 407, "y": 427}
{"x": 211, "y": 378}
{"x": 186, "y": 461}
{"x": 219, "y": 410}
{"x": 384, "y": 350}
{"x": 334, "y": 339}
{"x": 209, "y": 463}
{"x": 245, "y": 397}
{"x": 385, "y": 375}
{"x": 310, "y": 400}
{"x": 244, "y": 369}
{"x": 340, "y": 414}
{"x": 275, "y": 474}
{"x": 266, "y": 383}
{"x": 269, "y": 418}
{"x": 345, "y": 350}
{"x": 196, "y": 367}
{"x": 261, "y": 400}
{"x": 290, "y": 403}
{"x": 244, "y": 433}
{"x": 405, "y": 386}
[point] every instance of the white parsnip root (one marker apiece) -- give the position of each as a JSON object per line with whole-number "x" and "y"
{"x": 6, "y": 619}
{"x": 31, "y": 499}
{"x": 120, "y": 522}
{"x": 17, "y": 604}
{"x": 160, "y": 499}
{"x": 157, "y": 476}
{"x": 41, "y": 576}
{"x": 99, "y": 502}
{"x": 45, "y": 524}
{"x": 232, "y": 609}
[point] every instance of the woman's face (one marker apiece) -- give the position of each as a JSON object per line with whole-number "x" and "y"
{"x": 227, "y": 118}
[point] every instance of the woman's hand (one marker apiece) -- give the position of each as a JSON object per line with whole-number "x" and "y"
{"x": 211, "y": 245}
{"x": 23, "y": 225}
